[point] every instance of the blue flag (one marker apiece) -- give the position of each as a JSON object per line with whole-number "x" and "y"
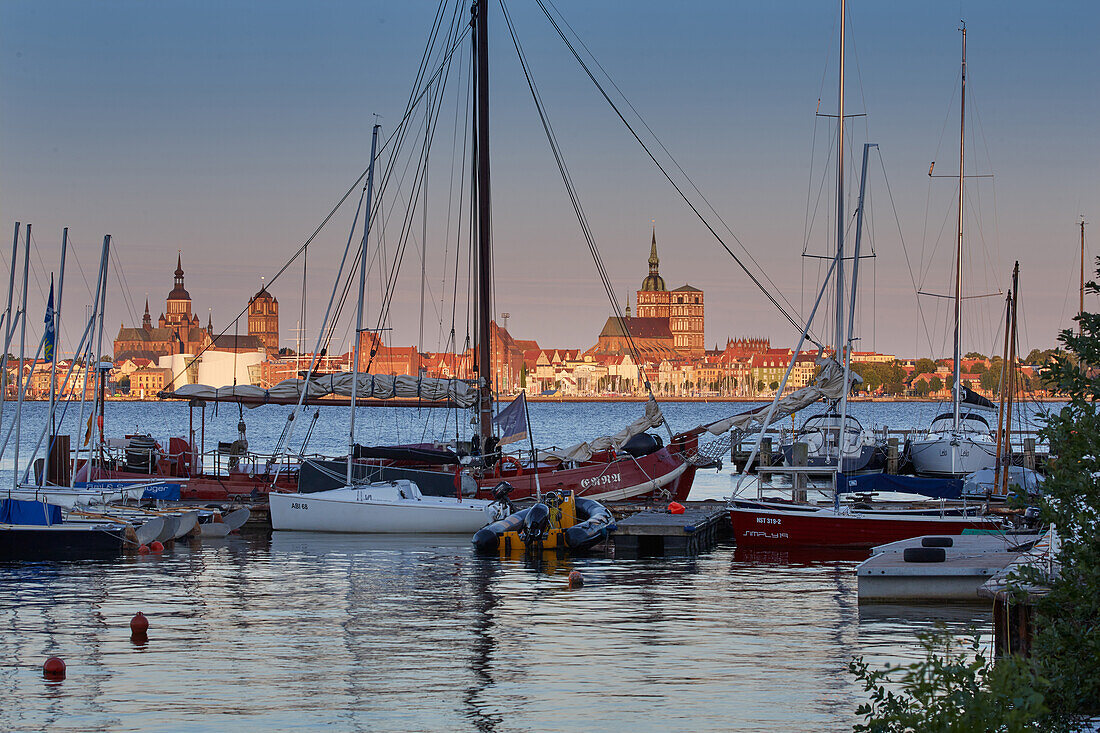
{"x": 50, "y": 335}
{"x": 512, "y": 420}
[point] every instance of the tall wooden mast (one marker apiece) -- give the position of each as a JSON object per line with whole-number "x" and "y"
{"x": 1081, "y": 302}
{"x": 484, "y": 224}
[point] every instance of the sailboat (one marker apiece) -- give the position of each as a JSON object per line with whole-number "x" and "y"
{"x": 623, "y": 465}
{"x": 394, "y": 506}
{"x": 959, "y": 442}
{"x": 771, "y": 524}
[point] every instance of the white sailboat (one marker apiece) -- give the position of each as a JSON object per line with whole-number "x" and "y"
{"x": 391, "y": 506}
{"x": 959, "y": 442}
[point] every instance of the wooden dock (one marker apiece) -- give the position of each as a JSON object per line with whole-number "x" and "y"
{"x": 655, "y": 532}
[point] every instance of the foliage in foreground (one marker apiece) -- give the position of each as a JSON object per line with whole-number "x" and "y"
{"x": 953, "y": 688}
{"x": 1058, "y": 685}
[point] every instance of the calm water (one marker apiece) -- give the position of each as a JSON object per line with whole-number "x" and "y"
{"x": 296, "y": 631}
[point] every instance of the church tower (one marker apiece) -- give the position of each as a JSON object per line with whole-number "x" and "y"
{"x": 178, "y": 316}
{"x": 653, "y": 297}
{"x": 263, "y": 319}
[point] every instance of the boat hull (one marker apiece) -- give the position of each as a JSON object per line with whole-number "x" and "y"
{"x": 59, "y": 542}
{"x": 951, "y": 456}
{"x": 761, "y": 527}
{"x": 661, "y": 475}
{"x": 432, "y": 515}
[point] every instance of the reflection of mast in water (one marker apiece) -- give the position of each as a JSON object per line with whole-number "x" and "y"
{"x": 484, "y": 571}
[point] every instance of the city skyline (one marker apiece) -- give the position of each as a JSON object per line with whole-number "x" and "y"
{"x": 237, "y": 130}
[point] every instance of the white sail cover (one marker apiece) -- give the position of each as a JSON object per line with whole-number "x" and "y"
{"x": 828, "y": 386}
{"x": 371, "y": 386}
{"x": 583, "y": 451}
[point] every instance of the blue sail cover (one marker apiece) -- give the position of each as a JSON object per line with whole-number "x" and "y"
{"x": 17, "y": 511}
{"x": 937, "y": 488}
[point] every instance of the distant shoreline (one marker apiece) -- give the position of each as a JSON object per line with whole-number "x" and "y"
{"x": 634, "y": 398}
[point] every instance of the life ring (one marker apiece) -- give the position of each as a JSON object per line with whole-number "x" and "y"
{"x": 511, "y": 461}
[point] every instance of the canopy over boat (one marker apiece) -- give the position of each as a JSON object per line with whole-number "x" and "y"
{"x": 584, "y": 451}
{"x": 936, "y": 488}
{"x": 458, "y": 392}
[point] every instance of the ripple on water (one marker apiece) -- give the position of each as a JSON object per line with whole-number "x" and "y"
{"x": 301, "y": 630}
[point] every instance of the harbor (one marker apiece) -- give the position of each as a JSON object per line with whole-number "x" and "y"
{"x": 500, "y": 384}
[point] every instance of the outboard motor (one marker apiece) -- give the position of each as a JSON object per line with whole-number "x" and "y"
{"x": 501, "y": 493}
{"x": 535, "y": 524}
{"x": 643, "y": 444}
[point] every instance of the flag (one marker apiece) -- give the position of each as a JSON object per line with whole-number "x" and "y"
{"x": 512, "y": 420}
{"x": 49, "y": 336}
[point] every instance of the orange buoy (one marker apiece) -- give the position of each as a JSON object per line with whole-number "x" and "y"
{"x": 143, "y": 550}
{"x": 675, "y": 508}
{"x": 576, "y": 580}
{"x": 155, "y": 546}
{"x": 139, "y": 624}
{"x": 54, "y": 667}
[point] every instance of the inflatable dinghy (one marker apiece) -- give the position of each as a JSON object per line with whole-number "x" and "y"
{"x": 562, "y": 521}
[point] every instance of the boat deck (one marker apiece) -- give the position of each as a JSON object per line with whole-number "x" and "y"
{"x": 968, "y": 564}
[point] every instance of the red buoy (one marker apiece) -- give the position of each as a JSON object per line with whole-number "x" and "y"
{"x": 576, "y": 580}
{"x": 54, "y": 667}
{"x": 155, "y": 546}
{"x": 139, "y": 624}
{"x": 675, "y": 508}
{"x": 143, "y": 550}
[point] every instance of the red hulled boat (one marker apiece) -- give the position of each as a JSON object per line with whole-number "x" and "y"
{"x": 758, "y": 525}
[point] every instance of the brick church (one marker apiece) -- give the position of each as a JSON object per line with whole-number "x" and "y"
{"x": 668, "y": 324}
{"x": 178, "y": 330}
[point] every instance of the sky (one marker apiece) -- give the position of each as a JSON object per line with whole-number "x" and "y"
{"x": 228, "y": 130}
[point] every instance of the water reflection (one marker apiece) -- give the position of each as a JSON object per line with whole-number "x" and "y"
{"x": 403, "y": 633}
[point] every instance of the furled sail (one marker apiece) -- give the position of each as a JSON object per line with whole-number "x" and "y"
{"x": 584, "y": 451}
{"x": 461, "y": 392}
{"x": 828, "y": 386}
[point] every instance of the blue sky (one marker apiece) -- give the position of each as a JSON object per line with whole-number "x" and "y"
{"x": 228, "y": 129}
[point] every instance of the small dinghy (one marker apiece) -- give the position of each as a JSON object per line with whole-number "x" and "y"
{"x": 562, "y": 521}
{"x": 384, "y": 507}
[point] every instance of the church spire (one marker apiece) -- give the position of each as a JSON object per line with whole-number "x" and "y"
{"x": 653, "y": 281}
{"x": 147, "y": 320}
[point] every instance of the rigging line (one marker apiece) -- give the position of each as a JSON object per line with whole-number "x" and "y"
{"x": 418, "y": 184}
{"x": 120, "y": 277}
{"x": 388, "y": 289}
{"x": 756, "y": 281}
{"x": 571, "y": 190}
{"x": 904, "y": 249}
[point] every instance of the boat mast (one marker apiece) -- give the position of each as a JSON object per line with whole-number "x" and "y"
{"x": 22, "y": 356}
{"x": 359, "y": 303}
{"x": 1081, "y": 303}
{"x": 959, "y": 242}
{"x": 8, "y": 318}
{"x": 840, "y": 215}
{"x": 1009, "y": 388}
{"x": 57, "y": 339}
{"x": 484, "y": 226}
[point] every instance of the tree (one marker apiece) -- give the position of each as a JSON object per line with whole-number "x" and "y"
{"x": 921, "y": 388}
{"x": 1056, "y": 687}
{"x": 760, "y": 386}
{"x": 925, "y": 366}
{"x": 949, "y": 382}
{"x": 935, "y": 384}
{"x": 773, "y": 386}
{"x": 978, "y": 367}
{"x": 955, "y": 687}
{"x": 974, "y": 355}
{"x": 990, "y": 380}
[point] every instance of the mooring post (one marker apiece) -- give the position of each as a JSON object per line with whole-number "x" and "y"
{"x": 800, "y": 458}
{"x": 892, "y": 455}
